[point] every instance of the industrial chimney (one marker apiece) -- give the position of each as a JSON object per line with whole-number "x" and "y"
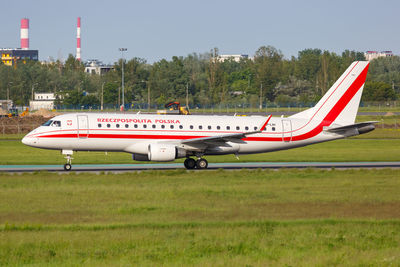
{"x": 25, "y": 33}
{"x": 78, "y": 40}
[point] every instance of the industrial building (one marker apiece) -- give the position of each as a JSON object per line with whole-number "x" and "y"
{"x": 370, "y": 55}
{"x": 236, "y": 58}
{"x": 94, "y": 66}
{"x": 11, "y": 57}
{"x": 42, "y": 101}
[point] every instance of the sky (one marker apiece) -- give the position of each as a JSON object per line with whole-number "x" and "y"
{"x": 155, "y": 30}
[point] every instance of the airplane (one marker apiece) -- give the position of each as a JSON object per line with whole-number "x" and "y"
{"x": 153, "y": 137}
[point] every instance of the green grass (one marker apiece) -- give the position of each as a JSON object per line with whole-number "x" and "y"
{"x": 380, "y": 133}
{"x": 298, "y": 244}
{"x": 393, "y": 121}
{"x": 212, "y": 218}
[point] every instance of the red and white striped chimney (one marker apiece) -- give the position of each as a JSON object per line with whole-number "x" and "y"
{"x": 78, "y": 40}
{"x": 25, "y": 33}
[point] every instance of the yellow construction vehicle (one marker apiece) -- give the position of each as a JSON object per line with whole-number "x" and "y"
{"x": 14, "y": 112}
{"x": 24, "y": 113}
{"x": 174, "y": 108}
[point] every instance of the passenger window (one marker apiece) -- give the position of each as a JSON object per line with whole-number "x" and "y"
{"x": 126, "y": 125}
{"x": 228, "y": 127}
{"x": 162, "y": 126}
{"x": 117, "y": 125}
{"x": 108, "y": 125}
{"x": 200, "y": 127}
{"x": 209, "y": 127}
{"x": 246, "y": 128}
{"x": 171, "y": 126}
{"x": 273, "y": 128}
{"x": 237, "y": 128}
{"x": 145, "y": 126}
{"x": 191, "y": 126}
{"x": 99, "y": 125}
{"x": 218, "y": 128}
{"x": 135, "y": 125}
{"x": 180, "y": 127}
{"x": 255, "y": 128}
{"x": 154, "y": 126}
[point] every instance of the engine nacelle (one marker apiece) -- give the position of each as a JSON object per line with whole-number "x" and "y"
{"x": 140, "y": 157}
{"x": 165, "y": 152}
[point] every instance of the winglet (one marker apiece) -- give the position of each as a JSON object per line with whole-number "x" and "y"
{"x": 265, "y": 123}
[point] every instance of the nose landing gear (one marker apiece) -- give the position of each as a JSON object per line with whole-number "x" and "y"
{"x": 68, "y": 153}
{"x": 190, "y": 163}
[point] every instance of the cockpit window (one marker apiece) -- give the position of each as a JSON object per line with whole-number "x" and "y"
{"x": 56, "y": 124}
{"x": 47, "y": 123}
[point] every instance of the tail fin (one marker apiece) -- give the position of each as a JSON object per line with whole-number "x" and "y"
{"x": 340, "y": 104}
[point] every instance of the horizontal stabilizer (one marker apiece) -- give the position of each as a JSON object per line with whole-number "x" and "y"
{"x": 358, "y": 128}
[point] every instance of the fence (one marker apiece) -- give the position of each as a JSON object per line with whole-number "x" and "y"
{"x": 19, "y": 128}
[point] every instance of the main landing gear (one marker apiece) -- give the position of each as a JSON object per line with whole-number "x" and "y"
{"x": 68, "y": 153}
{"x": 190, "y": 163}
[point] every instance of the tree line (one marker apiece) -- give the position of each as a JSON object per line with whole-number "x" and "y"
{"x": 266, "y": 78}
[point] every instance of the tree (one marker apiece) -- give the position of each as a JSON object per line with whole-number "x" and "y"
{"x": 110, "y": 94}
{"x": 73, "y": 98}
{"x": 307, "y": 64}
{"x": 378, "y": 91}
{"x": 268, "y": 68}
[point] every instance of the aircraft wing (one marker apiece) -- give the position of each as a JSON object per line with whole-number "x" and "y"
{"x": 220, "y": 140}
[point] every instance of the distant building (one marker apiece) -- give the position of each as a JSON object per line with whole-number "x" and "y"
{"x": 5, "y": 105}
{"x": 42, "y": 101}
{"x": 10, "y": 57}
{"x": 94, "y": 66}
{"x": 370, "y": 55}
{"x": 235, "y": 58}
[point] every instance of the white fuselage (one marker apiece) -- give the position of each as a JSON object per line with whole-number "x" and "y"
{"x": 133, "y": 133}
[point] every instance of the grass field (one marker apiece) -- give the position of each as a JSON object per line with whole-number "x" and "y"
{"x": 213, "y": 218}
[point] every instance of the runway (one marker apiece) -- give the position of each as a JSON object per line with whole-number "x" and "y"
{"x": 211, "y": 166}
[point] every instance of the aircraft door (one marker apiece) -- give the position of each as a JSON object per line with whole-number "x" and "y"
{"x": 286, "y": 130}
{"x": 83, "y": 126}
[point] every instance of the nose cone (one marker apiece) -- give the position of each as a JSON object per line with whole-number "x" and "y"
{"x": 26, "y": 140}
{"x": 30, "y": 141}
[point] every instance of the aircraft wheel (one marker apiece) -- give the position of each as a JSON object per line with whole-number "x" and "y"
{"x": 67, "y": 167}
{"x": 202, "y": 164}
{"x": 189, "y": 163}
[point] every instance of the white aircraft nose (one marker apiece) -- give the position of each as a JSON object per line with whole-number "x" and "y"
{"x": 29, "y": 141}
{"x": 26, "y": 140}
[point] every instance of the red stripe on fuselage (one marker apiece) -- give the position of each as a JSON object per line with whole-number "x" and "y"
{"x": 265, "y": 124}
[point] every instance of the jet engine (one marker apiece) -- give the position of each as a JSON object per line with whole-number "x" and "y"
{"x": 165, "y": 152}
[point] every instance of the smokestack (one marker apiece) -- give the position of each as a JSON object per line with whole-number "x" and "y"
{"x": 25, "y": 33}
{"x": 78, "y": 40}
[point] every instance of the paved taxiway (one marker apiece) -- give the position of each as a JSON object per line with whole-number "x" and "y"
{"x": 166, "y": 166}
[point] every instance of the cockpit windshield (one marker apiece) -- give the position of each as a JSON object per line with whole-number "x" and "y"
{"x": 52, "y": 123}
{"x": 47, "y": 123}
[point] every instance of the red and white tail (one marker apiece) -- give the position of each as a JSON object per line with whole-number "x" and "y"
{"x": 340, "y": 104}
